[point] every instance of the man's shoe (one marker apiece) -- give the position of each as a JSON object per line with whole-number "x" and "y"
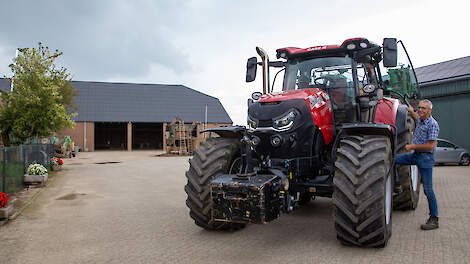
{"x": 432, "y": 223}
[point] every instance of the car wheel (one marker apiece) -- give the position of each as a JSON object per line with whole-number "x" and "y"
{"x": 465, "y": 160}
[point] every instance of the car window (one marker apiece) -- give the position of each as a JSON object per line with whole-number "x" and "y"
{"x": 443, "y": 144}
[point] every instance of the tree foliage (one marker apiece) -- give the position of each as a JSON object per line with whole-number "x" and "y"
{"x": 41, "y": 102}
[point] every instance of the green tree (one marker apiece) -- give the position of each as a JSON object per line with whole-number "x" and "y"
{"x": 41, "y": 102}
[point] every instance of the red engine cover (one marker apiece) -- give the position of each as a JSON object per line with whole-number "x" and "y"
{"x": 317, "y": 101}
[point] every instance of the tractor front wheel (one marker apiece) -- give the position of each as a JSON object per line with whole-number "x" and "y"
{"x": 362, "y": 194}
{"x": 214, "y": 157}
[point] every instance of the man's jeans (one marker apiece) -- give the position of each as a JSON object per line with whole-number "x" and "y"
{"x": 425, "y": 162}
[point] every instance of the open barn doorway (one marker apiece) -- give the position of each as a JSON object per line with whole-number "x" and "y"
{"x": 147, "y": 136}
{"x": 110, "y": 136}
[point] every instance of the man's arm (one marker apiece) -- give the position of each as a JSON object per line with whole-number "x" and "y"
{"x": 412, "y": 113}
{"x": 429, "y": 146}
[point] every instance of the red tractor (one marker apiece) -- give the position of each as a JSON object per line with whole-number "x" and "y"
{"x": 333, "y": 131}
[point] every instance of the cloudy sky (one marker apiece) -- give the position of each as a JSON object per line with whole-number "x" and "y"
{"x": 204, "y": 44}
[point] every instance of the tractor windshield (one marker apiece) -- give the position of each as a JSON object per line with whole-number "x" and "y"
{"x": 334, "y": 75}
{"x": 324, "y": 73}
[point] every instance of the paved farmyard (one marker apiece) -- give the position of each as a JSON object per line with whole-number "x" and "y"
{"x": 134, "y": 212}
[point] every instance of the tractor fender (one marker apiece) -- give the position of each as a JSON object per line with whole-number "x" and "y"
{"x": 400, "y": 120}
{"x": 228, "y": 132}
{"x": 370, "y": 129}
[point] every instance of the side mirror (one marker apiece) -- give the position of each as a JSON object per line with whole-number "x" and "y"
{"x": 390, "y": 52}
{"x": 251, "y": 69}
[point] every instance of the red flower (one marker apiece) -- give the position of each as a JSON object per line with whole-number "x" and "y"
{"x": 3, "y": 200}
{"x": 60, "y": 161}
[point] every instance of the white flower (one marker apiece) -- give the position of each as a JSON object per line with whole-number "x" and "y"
{"x": 36, "y": 169}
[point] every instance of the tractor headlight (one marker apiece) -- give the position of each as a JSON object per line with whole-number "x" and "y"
{"x": 251, "y": 123}
{"x": 286, "y": 121}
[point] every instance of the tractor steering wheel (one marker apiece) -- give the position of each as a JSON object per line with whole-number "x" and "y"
{"x": 325, "y": 78}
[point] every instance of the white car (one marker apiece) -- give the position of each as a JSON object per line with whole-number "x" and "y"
{"x": 448, "y": 152}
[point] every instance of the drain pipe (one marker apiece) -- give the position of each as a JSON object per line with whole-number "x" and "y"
{"x": 265, "y": 59}
{"x": 84, "y": 137}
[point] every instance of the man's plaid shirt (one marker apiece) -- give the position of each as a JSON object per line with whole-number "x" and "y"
{"x": 426, "y": 130}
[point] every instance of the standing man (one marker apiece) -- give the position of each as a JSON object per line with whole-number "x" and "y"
{"x": 424, "y": 143}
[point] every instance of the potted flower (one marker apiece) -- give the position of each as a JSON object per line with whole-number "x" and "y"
{"x": 5, "y": 208}
{"x": 56, "y": 163}
{"x": 36, "y": 173}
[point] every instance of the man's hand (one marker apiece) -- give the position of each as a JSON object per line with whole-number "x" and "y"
{"x": 412, "y": 112}
{"x": 409, "y": 147}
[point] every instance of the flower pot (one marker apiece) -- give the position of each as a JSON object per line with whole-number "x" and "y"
{"x": 32, "y": 179}
{"x": 56, "y": 167}
{"x": 6, "y": 211}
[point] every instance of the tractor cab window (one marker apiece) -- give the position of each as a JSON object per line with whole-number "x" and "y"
{"x": 401, "y": 79}
{"x": 332, "y": 74}
{"x": 366, "y": 74}
{"x": 323, "y": 73}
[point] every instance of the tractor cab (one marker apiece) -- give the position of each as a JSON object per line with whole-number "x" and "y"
{"x": 351, "y": 74}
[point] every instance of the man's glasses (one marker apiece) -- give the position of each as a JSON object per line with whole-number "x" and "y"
{"x": 422, "y": 107}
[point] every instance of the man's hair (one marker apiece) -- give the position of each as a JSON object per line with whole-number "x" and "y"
{"x": 427, "y": 102}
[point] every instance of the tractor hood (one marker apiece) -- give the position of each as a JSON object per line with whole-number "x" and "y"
{"x": 312, "y": 102}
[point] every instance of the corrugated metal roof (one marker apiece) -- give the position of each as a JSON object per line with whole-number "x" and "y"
{"x": 446, "y": 70}
{"x": 130, "y": 102}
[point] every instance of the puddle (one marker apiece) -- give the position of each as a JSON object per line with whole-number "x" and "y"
{"x": 107, "y": 162}
{"x": 70, "y": 196}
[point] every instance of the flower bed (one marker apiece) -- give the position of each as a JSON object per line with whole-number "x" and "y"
{"x": 5, "y": 208}
{"x": 56, "y": 163}
{"x": 36, "y": 173}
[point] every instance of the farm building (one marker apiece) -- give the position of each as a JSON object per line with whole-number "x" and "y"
{"x": 130, "y": 116}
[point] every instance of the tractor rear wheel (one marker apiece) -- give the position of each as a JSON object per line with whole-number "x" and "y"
{"x": 409, "y": 177}
{"x": 214, "y": 157}
{"x": 362, "y": 194}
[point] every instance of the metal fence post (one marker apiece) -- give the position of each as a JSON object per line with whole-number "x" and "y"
{"x": 23, "y": 157}
{"x": 4, "y": 170}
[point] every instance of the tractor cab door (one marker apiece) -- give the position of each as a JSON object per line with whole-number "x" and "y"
{"x": 338, "y": 78}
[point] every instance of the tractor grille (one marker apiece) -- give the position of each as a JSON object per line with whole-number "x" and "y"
{"x": 265, "y": 123}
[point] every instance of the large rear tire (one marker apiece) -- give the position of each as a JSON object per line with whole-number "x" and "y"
{"x": 362, "y": 194}
{"x": 214, "y": 157}
{"x": 409, "y": 177}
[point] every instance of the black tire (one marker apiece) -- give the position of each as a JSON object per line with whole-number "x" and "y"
{"x": 465, "y": 160}
{"x": 212, "y": 158}
{"x": 362, "y": 195}
{"x": 409, "y": 177}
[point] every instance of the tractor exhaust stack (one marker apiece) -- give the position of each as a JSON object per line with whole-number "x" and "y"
{"x": 265, "y": 60}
